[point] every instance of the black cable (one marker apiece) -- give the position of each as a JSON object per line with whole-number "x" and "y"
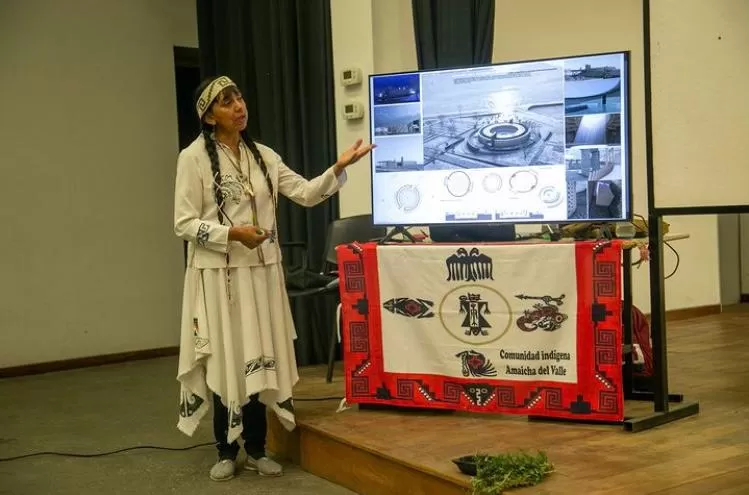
{"x": 101, "y": 454}
{"x": 677, "y": 261}
{"x": 143, "y": 447}
{"x": 644, "y": 221}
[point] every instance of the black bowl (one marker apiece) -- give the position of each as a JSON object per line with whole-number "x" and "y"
{"x": 466, "y": 464}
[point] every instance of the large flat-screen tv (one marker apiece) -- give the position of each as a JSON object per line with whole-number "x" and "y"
{"x": 540, "y": 141}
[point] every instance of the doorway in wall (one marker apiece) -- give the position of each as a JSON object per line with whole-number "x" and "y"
{"x": 186, "y": 79}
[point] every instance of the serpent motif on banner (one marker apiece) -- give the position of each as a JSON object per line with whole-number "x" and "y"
{"x": 544, "y": 315}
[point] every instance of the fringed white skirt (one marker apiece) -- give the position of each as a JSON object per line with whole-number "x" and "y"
{"x": 237, "y": 338}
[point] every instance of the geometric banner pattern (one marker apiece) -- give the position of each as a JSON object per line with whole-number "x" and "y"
{"x": 477, "y": 384}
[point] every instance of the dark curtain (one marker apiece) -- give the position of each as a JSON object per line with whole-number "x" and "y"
{"x": 279, "y": 52}
{"x": 452, "y": 33}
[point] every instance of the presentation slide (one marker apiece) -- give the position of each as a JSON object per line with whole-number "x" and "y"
{"x": 540, "y": 141}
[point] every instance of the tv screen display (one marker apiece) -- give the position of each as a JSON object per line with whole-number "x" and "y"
{"x": 544, "y": 141}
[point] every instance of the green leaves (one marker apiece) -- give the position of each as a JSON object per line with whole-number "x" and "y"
{"x": 494, "y": 474}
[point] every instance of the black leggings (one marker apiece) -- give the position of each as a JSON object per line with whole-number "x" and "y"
{"x": 254, "y": 428}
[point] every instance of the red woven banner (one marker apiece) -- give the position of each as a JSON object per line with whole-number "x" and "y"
{"x": 455, "y": 328}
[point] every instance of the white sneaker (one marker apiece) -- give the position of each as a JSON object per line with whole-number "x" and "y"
{"x": 265, "y": 466}
{"x": 223, "y": 470}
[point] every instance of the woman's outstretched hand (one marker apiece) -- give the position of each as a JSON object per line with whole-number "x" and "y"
{"x": 352, "y": 155}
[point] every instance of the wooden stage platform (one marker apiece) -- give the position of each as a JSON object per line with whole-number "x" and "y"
{"x": 392, "y": 452}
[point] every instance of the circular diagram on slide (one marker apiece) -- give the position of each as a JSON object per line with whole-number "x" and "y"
{"x": 550, "y": 196}
{"x": 492, "y": 183}
{"x": 523, "y": 181}
{"x": 408, "y": 198}
{"x": 458, "y": 184}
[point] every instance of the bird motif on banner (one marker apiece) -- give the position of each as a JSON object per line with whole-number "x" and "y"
{"x": 469, "y": 266}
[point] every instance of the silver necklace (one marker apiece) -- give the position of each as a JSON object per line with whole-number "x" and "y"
{"x": 243, "y": 179}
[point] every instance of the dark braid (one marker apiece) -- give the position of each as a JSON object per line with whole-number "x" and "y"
{"x": 210, "y": 147}
{"x": 259, "y": 159}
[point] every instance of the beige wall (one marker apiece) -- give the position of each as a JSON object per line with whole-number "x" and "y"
{"x": 536, "y": 29}
{"x": 392, "y": 24}
{"x": 353, "y": 47}
{"x": 380, "y": 40}
{"x": 700, "y": 102}
{"x": 89, "y": 262}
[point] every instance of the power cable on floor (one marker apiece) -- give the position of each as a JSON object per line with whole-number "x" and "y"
{"x": 143, "y": 447}
{"x": 101, "y": 454}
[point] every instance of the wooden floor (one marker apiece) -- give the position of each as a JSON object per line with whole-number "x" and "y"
{"x": 376, "y": 452}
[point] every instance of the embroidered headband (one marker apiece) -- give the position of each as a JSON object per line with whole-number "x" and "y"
{"x": 210, "y": 93}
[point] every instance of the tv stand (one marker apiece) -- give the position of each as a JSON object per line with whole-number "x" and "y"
{"x": 398, "y": 230}
{"x": 452, "y": 233}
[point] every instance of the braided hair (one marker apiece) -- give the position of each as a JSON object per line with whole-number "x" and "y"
{"x": 210, "y": 147}
{"x": 259, "y": 159}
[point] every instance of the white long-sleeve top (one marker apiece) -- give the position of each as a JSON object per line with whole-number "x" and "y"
{"x": 196, "y": 212}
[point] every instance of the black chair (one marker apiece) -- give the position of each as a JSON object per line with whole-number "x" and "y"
{"x": 302, "y": 282}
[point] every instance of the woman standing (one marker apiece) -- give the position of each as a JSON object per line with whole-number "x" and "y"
{"x": 236, "y": 349}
